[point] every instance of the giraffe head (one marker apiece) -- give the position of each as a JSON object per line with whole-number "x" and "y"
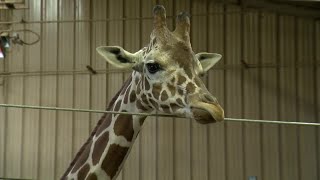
{"x": 166, "y": 72}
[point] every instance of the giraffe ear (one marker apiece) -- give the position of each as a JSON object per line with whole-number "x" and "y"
{"x": 119, "y": 57}
{"x": 208, "y": 60}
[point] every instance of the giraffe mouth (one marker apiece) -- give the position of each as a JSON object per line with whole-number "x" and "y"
{"x": 205, "y": 113}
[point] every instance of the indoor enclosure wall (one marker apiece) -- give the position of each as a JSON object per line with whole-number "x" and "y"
{"x": 269, "y": 70}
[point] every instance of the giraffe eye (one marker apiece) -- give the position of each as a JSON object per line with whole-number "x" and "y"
{"x": 153, "y": 67}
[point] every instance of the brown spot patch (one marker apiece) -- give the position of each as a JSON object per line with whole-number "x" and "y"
{"x": 190, "y": 87}
{"x": 125, "y": 89}
{"x": 140, "y": 106}
{"x": 189, "y": 73}
{"x": 126, "y": 97}
{"x": 164, "y": 95}
{"x": 141, "y": 121}
{"x": 92, "y": 176}
{"x": 113, "y": 160}
{"x": 181, "y": 79}
{"x": 142, "y": 82}
{"x": 165, "y": 108}
{"x": 133, "y": 96}
{"x": 105, "y": 124}
{"x": 174, "y": 107}
{"x": 147, "y": 85}
{"x": 99, "y": 147}
{"x": 83, "y": 172}
{"x": 198, "y": 81}
{"x": 117, "y": 106}
{"x": 172, "y": 89}
{"x": 138, "y": 88}
{"x": 179, "y": 101}
{"x": 82, "y": 158}
{"x": 156, "y": 89}
{"x": 173, "y": 80}
{"x": 154, "y": 41}
{"x": 155, "y": 104}
{"x": 124, "y": 126}
{"x": 180, "y": 91}
{"x": 144, "y": 99}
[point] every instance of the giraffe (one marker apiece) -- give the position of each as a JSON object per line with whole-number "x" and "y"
{"x": 165, "y": 78}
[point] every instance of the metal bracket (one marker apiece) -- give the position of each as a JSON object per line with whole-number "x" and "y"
{"x": 92, "y": 71}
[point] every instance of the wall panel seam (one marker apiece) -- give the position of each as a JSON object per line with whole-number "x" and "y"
{"x": 225, "y": 87}
{"x": 260, "y": 126}
{"x": 296, "y": 40}
{"x": 316, "y": 93}
{"x": 243, "y": 125}
{"x": 42, "y": 4}
{"x": 57, "y": 89}
{"x": 280, "y": 128}
{"x": 23, "y": 101}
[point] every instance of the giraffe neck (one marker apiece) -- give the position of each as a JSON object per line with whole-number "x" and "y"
{"x": 108, "y": 146}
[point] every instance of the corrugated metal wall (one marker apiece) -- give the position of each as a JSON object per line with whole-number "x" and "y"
{"x": 282, "y": 82}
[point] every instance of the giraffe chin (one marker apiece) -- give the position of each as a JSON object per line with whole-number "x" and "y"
{"x": 208, "y": 114}
{"x": 202, "y": 116}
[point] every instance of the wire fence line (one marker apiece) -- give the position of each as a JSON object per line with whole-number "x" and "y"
{"x": 155, "y": 114}
{"x": 114, "y": 70}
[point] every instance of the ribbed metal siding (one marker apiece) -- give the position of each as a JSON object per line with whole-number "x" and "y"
{"x": 4, "y": 16}
{"x": 39, "y": 144}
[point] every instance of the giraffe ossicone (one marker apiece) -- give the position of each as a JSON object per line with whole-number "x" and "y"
{"x": 165, "y": 78}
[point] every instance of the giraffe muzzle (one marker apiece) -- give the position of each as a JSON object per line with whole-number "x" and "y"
{"x": 205, "y": 113}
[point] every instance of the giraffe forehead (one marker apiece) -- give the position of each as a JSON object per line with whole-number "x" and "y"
{"x": 171, "y": 52}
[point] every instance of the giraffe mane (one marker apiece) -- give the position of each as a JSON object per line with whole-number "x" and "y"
{"x": 71, "y": 165}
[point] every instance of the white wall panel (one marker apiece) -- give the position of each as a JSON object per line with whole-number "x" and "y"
{"x": 269, "y": 97}
{"x": 31, "y": 118}
{"x": 234, "y": 96}
{"x": 81, "y": 124}
{"x": 31, "y": 128}
{"x": 2, "y": 126}
{"x": 4, "y": 16}
{"x": 216, "y": 85}
{"x": 306, "y": 100}
{"x": 15, "y": 116}
{"x": 65, "y": 122}
{"x": 287, "y": 99}
{"x": 48, "y": 91}
{"x": 14, "y": 129}
{"x": 251, "y": 93}
{"x": 317, "y": 94}
{"x": 47, "y": 135}
{"x": 66, "y": 61}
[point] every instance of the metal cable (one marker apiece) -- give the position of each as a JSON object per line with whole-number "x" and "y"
{"x": 114, "y": 70}
{"x": 273, "y": 122}
{"x": 30, "y": 31}
{"x": 81, "y": 110}
{"x": 156, "y": 114}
